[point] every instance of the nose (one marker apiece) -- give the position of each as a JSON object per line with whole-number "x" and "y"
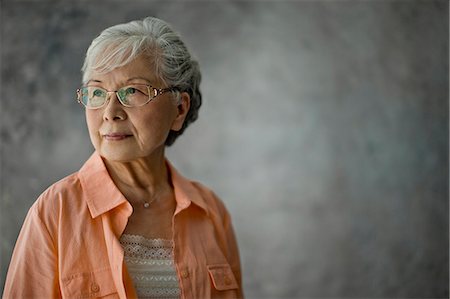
{"x": 114, "y": 110}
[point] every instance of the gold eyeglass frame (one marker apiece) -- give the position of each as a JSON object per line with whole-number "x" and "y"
{"x": 150, "y": 89}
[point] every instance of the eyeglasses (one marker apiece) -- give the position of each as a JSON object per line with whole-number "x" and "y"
{"x": 94, "y": 97}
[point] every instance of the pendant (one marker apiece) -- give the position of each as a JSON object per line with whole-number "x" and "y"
{"x": 146, "y": 205}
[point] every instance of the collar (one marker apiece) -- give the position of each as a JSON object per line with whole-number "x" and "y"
{"x": 102, "y": 195}
{"x": 185, "y": 191}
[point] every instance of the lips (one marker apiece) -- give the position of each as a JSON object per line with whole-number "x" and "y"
{"x": 116, "y": 136}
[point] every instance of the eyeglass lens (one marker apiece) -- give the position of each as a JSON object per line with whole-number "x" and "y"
{"x": 130, "y": 96}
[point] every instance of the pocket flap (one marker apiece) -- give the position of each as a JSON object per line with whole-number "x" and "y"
{"x": 222, "y": 277}
{"x": 89, "y": 284}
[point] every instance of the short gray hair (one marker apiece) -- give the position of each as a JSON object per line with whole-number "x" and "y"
{"x": 118, "y": 45}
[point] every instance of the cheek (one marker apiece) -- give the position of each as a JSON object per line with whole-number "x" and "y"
{"x": 155, "y": 123}
{"x": 89, "y": 121}
{"x": 149, "y": 125}
{"x": 162, "y": 115}
{"x": 92, "y": 124}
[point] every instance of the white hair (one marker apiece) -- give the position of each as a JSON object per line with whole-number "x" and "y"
{"x": 118, "y": 45}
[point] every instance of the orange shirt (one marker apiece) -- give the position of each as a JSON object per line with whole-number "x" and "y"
{"x": 68, "y": 246}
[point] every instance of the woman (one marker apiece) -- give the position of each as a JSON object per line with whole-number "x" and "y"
{"x": 127, "y": 224}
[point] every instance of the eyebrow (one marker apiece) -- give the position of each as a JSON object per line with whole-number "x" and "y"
{"x": 93, "y": 80}
{"x": 129, "y": 80}
{"x": 139, "y": 78}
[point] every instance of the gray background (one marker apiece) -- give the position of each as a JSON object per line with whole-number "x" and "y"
{"x": 324, "y": 129}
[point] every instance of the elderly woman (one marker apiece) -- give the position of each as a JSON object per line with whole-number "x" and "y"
{"x": 127, "y": 224}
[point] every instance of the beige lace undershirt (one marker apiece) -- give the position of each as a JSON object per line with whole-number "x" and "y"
{"x": 151, "y": 266}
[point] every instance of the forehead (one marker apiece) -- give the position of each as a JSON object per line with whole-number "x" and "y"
{"x": 141, "y": 68}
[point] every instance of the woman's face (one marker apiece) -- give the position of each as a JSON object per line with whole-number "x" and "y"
{"x": 124, "y": 134}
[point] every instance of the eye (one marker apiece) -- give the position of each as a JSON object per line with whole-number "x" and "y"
{"x": 131, "y": 90}
{"x": 136, "y": 90}
{"x": 98, "y": 93}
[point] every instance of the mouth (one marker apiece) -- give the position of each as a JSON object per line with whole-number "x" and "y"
{"x": 116, "y": 136}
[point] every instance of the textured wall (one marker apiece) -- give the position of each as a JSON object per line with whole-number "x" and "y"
{"x": 324, "y": 129}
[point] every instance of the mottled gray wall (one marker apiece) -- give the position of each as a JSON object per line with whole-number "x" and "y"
{"x": 324, "y": 129}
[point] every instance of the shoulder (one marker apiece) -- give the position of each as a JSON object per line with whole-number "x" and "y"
{"x": 214, "y": 204}
{"x": 66, "y": 190}
{"x": 54, "y": 205}
{"x": 187, "y": 190}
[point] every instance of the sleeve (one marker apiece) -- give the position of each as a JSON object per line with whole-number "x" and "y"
{"x": 233, "y": 252}
{"x": 33, "y": 270}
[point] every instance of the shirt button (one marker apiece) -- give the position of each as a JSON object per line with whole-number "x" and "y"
{"x": 184, "y": 274}
{"x": 227, "y": 280}
{"x": 95, "y": 287}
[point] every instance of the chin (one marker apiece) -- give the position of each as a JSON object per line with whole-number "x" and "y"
{"x": 128, "y": 154}
{"x": 120, "y": 156}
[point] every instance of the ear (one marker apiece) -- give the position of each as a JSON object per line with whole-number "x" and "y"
{"x": 182, "y": 110}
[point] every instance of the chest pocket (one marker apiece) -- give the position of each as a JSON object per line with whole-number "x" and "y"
{"x": 222, "y": 277}
{"x": 95, "y": 284}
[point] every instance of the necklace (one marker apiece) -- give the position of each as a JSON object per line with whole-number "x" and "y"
{"x": 159, "y": 194}
{"x": 147, "y": 203}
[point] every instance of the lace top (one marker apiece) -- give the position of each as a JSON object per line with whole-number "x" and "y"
{"x": 151, "y": 266}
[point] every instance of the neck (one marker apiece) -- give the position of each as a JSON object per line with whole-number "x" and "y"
{"x": 145, "y": 175}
